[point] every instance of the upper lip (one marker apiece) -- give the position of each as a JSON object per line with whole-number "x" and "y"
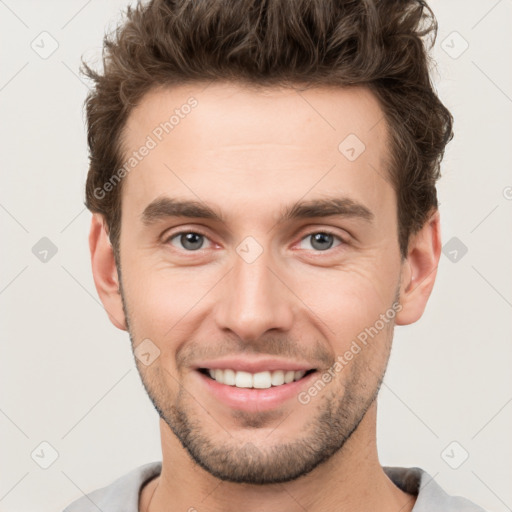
{"x": 254, "y": 365}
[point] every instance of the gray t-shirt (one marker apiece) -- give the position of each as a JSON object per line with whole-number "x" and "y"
{"x": 123, "y": 494}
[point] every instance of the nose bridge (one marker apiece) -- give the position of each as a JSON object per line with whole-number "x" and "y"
{"x": 254, "y": 299}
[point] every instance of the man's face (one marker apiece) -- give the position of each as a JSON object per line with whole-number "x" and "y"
{"x": 254, "y": 289}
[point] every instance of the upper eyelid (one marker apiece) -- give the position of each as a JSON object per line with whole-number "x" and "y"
{"x": 168, "y": 235}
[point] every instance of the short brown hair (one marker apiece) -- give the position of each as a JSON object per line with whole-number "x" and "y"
{"x": 380, "y": 44}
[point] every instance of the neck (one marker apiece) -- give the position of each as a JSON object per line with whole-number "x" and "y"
{"x": 351, "y": 480}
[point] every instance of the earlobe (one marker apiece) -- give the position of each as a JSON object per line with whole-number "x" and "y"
{"x": 104, "y": 272}
{"x": 419, "y": 270}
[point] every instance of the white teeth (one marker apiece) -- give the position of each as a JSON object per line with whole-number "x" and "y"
{"x": 229, "y": 377}
{"x": 277, "y": 378}
{"x": 289, "y": 376}
{"x": 243, "y": 380}
{"x": 260, "y": 380}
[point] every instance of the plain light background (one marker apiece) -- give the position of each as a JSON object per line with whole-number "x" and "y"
{"x": 68, "y": 376}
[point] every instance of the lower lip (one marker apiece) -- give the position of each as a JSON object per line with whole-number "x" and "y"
{"x": 255, "y": 400}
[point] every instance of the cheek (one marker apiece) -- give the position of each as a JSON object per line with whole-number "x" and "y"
{"x": 162, "y": 299}
{"x": 345, "y": 301}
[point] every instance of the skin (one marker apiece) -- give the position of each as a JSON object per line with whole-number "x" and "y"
{"x": 249, "y": 154}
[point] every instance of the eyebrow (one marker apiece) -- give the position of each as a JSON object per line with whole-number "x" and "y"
{"x": 165, "y": 207}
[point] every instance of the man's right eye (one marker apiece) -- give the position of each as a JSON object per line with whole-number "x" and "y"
{"x": 188, "y": 240}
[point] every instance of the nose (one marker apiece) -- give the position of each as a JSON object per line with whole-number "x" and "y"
{"x": 254, "y": 299}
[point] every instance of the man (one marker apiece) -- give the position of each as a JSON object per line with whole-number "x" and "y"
{"x": 262, "y": 180}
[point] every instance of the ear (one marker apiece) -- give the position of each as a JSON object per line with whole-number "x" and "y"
{"x": 104, "y": 272}
{"x": 419, "y": 270}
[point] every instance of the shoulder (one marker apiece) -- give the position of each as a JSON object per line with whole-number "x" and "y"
{"x": 431, "y": 496}
{"x": 122, "y": 495}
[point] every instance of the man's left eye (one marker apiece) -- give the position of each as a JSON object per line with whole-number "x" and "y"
{"x": 321, "y": 241}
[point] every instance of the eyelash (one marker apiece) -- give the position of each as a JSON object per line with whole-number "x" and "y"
{"x": 323, "y": 231}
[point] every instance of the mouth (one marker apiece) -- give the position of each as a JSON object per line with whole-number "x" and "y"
{"x": 253, "y": 384}
{"x": 254, "y": 392}
{"x": 260, "y": 380}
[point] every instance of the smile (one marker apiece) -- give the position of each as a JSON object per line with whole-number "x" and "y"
{"x": 259, "y": 380}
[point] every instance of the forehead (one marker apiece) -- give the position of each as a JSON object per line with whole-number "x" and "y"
{"x": 246, "y": 149}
